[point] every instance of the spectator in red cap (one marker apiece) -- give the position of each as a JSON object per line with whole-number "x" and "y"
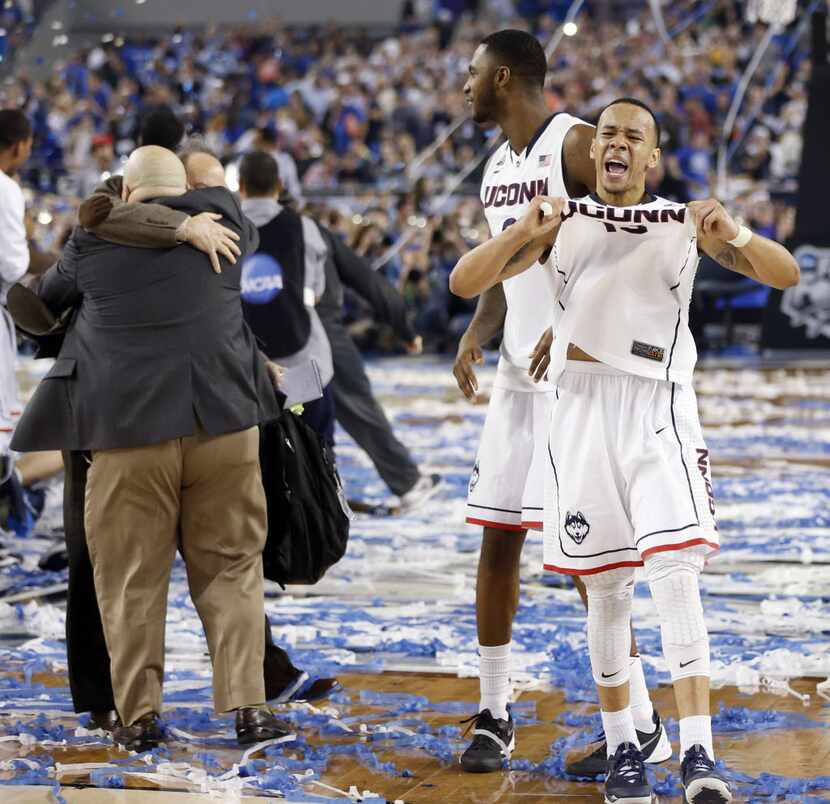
{"x": 99, "y": 167}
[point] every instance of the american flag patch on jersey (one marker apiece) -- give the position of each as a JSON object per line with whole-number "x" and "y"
{"x": 545, "y": 160}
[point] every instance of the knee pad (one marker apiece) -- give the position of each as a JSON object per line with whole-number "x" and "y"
{"x": 609, "y": 625}
{"x": 675, "y": 589}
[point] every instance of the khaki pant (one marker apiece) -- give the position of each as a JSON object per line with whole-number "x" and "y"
{"x": 207, "y": 490}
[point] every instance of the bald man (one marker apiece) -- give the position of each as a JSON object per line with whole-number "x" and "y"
{"x": 151, "y": 172}
{"x": 160, "y": 382}
{"x": 108, "y": 215}
{"x": 203, "y": 169}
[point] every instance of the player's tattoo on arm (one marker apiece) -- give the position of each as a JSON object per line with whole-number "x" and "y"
{"x": 731, "y": 258}
{"x": 727, "y": 257}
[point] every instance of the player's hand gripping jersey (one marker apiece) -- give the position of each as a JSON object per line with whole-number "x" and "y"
{"x": 510, "y": 183}
{"x": 627, "y": 473}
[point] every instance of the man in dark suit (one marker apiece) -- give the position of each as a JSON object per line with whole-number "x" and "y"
{"x": 160, "y": 380}
{"x": 150, "y": 226}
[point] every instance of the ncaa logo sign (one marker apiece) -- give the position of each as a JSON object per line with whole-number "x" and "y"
{"x": 261, "y": 279}
{"x": 808, "y": 303}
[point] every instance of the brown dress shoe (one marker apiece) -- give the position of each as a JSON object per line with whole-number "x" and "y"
{"x": 142, "y": 735}
{"x": 106, "y": 720}
{"x": 257, "y": 723}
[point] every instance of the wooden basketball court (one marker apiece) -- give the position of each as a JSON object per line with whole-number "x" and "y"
{"x": 796, "y": 753}
{"x": 395, "y": 622}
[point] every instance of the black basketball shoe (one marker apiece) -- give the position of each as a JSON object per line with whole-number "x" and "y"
{"x": 702, "y": 782}
{"x": 493, "y": 740}
{"x": 592, "y": 759}
{"x": 625, "y": 780}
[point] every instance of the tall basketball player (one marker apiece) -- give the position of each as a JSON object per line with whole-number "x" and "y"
{"x": 627, "y": 482}
{"x": 543, "y": 155}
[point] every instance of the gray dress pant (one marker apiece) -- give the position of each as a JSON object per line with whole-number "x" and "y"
{"x": 363, "y": 418}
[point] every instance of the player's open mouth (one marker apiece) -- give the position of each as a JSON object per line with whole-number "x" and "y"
{"x": 615, "y": 167}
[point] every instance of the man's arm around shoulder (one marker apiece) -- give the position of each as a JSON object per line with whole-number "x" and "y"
{"x": 150, "y": 225}
{"x": 146, "y": 225}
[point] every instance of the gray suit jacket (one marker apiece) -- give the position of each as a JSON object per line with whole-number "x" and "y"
{"x": 157, "y": 347}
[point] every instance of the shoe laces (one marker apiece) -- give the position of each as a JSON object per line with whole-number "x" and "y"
{"x": 481, "y": 720}
{"x": 473, "y": 722}
{"x": 628, "y": 766}
{"x": 697, "y": 760}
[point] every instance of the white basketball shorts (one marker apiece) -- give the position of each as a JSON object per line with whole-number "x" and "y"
{"x": 506, "y": 488}
{"x": 627, "y": 473}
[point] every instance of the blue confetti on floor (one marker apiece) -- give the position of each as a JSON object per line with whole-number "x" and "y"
{"x": 403, "y": 599}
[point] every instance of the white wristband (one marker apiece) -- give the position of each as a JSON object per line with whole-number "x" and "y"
{"x": 742, "y": 238}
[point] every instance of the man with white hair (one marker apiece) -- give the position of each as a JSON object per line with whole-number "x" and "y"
{"x": 160, "y": 381}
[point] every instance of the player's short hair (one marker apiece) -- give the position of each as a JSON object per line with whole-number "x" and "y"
{"x": 259, "y": 173}
{"x": 521, "y": 52}
{"x": 160, "y": 126}
{"x": 640, "y": 104}
{"x": 14, "y": 127}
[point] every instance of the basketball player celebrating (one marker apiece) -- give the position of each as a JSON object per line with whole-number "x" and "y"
{"x": 627, "y": 481}
{"x": 543, "y": 155}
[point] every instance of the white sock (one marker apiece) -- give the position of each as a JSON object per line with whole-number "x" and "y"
{"x": 696, "y": 729}
{"x": 641, "y": 708}
{"x": 619, "y": 728}
{"x": 494, "y": 679}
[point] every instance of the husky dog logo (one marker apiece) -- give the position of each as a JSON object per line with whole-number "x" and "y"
{"x": 474, "y": 478}
{"x": 808, "y": 303}
{"x": 576, "y": 526}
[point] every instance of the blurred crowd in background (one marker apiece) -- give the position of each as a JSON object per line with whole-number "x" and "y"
{"x": 351, "y": 117}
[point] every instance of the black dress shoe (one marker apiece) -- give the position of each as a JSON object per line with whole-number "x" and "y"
{"x": 316, "y": 690}
{"x": 106, "y": 719}
{"x": 142, "y": 735}
{"x": 256, "y": 723}
{"x": 278, "y": 672}
{"x": 296, "y": 687}
{"x": 285, "y": 683}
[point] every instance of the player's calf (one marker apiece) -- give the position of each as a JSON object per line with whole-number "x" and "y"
{"x": 497, "y": 595}
{"x": 592, "y": 759}
{"x": 674, "y": 582}
{"x": 609, "y": 642}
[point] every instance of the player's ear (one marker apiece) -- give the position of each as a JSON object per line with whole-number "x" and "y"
{"x": 654, "y": 158}
{"x": 592, "y": 151}
{"x": 501, "y": 77}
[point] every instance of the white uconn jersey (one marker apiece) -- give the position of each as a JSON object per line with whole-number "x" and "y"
{"x": 625, "y": 280}
{"x": 510, "y": 182}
